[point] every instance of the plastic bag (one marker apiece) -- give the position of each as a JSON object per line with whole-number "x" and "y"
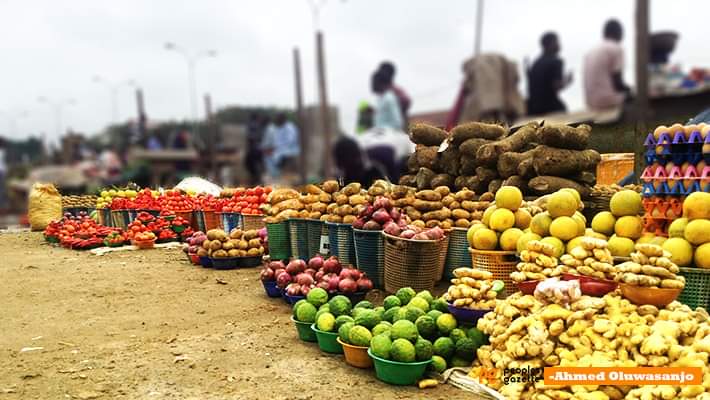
{"x": 556, "y": 291}
{"x": 44, "y": 206}
{"x": 198, "y": 185}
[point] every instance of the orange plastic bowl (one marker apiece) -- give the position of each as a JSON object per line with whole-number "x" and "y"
{"x": 144, "y": 244}
{"x": 659, "y": 297}
{"x": 356, "y": 355}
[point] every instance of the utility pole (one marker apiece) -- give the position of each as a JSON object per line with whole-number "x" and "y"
{"x": 299, "y": 113}
{"x": 325, "y": 115}
{"x": 211, "y": 136}
{"x": 142, "y": 119}
{"x": 641, "y": 101}
{"x": 479, "y": 28}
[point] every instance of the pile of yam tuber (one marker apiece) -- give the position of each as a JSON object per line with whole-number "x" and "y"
{"x": 538, "y": 159}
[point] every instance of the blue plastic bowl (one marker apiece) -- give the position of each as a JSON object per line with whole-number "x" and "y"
{"x": 292, "y": 299}
{"x": 466, "y": 315}
{"x": 206, "y": 262}
{"x": 271, "y": 289}
{"x": 225, "y": 263}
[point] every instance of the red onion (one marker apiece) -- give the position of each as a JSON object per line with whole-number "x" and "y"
{"x": 372, "y": 226}
{"x": 323, "y": 285}
{"x": 358, "y": 223}
{"x": 311, "y": 272}
{"x": 364, "y": 284}
{"x": 347, "y": 286}
{"x": 267, "y": 274}
{"x": 355, "y": 274}
{"x": 293, "y": 289}
{"x": 319, "y": 275}
{"x": 367, "y": 211}
{"x": 391, "y": 228}
{"x": 344, "y": 274}
{"x": 381, "y": 216}
{"x": 296, "y": 266}
{"x": 383, "y": 203}
{"x": 333, "y": 283}
{"x": 395, "y": 214}
{"x": 276, "y": 265}
{"x": 305, "y": 289}
{"x": 332, "y": 265}
{"x": 407, "y": 234}
{"x": 304, "y": 279}
{"x": 316, "y": 262}
{"x": 283, "y": 279}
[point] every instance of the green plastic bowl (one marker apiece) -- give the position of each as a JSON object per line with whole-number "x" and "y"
{"x": 304, "y": 330}
{"x": 398, "y": 373}
{"x": 328, "y": 341}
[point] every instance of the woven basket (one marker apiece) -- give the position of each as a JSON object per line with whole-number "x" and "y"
{"x": 211, "y": 220}
{"x": 120, "y": 218}
{"x": 696, "y": 293}
{"x": 250, "y": 222}
{"x": 499, "y": 263}
{"x": 315, "y": 231}
{"x": 342, "y": 244}
{"x": 370, "y": 255}
{"x": 457, "y": 254}
{"x": 230, "y": 220}
{"x": 279, "y": 248}
{"x": 298, "y": 238}
{"x": 413, "y": 263}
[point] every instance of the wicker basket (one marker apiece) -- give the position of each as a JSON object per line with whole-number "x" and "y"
{"x": 230, "y": 220}
{"x": 457, "y": 254}
{"x": 342, "y": 244}
{"x": 250, "y": 222}
{"x": 120, "y": 218}
{"x": 315, "y": 232}
{"x": 499, "y": 263}
{"x": 279, "y": 248}
{"x": 298, "y": 238}
{"x": 696, "y": 293}
{"x": 413, "y": 263}
{"x": 370, "y": 255}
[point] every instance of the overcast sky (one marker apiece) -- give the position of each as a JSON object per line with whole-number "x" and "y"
{"x": 54, "y": 48}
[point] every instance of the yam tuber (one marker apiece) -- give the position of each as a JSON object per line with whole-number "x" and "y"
{"x": 517, "y": 181}
{"x": 448, "y": 161}
{"x": 495, "y": 185}
{"x": 551, "y": 184}
{"x": 488, "y": 154}
{"x": 470, "y": 147}
{"x": 565, "y": 136}
{"x": 467, "y": 165}
{"x": 564, "y": 162}
{"x": 426, "y": 134}
{"x": 408, "y": 180}
{"x": 426, "y": 156}
{"x": 424, "y": 177}
{"x": 526, "y": 168}
{"x": 486, "y": 175}
{"x": 480, "y": 130}
{"x": 586, "y": 177}
{"x": 508, "y": 162}
{"x": 442, "y": 180}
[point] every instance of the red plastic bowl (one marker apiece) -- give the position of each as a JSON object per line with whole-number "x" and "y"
{"x": 528, "y": 287}
{"x": 592, "y": 286}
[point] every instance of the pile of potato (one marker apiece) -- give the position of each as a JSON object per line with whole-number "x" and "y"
{"x": 441, "y": 207}
{"x": 591, "y": 258}
{"x": 537, "y": 263}
{"x": 237, "y": 243}
{"x": 347, "y": 204}
{"x": 650, "y": 266}
{"x": 599, "y": 332}
{"x": 79, "y": 201}
{"x": 283, "y": 204}
{"x": 472, "y": 288}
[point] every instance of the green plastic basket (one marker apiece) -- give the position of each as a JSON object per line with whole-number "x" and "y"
{"x": 398, "y": 373}
{"x": 279, "y": 248}
{"x": 370, "y": 255}
{"x": 457, "y": 254}
{"x": 298, "y": 238}
{"x": 328, "y": 341}
{"x": 696, "y": 293}
{"x": 342, "y": 244}
{"x": 304, "y": 330}
{"x": 315, "y": 231}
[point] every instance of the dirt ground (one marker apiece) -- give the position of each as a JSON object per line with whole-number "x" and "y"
{"x": 147, "y": 325}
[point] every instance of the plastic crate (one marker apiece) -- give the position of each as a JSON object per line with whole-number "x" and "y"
{"x": 457, "y": 254}
{"x": 370, "y": 255}
{"x": 342, "y": 243}
{"x": 279, "y": 247}
{"x": 696, "y": 293}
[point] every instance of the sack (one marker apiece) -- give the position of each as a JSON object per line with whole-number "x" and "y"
{"x": 45, "y": 205}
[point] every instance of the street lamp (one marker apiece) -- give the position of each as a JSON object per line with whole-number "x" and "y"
{"x": 113, "y": 88}
{"x": 191, "y": 58}
{"x": 58, "y": 107}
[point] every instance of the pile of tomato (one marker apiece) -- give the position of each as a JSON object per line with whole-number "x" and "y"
{"x": 79, "y": 232}
{"x": 176, "y": 201}
{"x": 207, "y": 202}
{"x": 246, "y": 201}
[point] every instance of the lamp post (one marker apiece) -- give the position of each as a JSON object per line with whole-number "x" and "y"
{"x": 113, "y": 88}
{"x": 58, "y": 107}
{"x": 191, "y": 58}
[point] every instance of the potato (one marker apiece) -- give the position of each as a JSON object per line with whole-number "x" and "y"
{"x": 462, "y": 223}
{"x": 428, "y": 195}
{"x": 325, "y": 198}
{"x": 412, "y": 213}
{"x": 357, "y": 199}
{"x": 344, "y": 210}
{"x": 292, "y": 204}
{"x": 352, "y": 189}
{"x": 261, "y": 250}
{"x": 280, "y": 195}
{"x": 419, "y": 223}
{"x": 349, "y": 219}
{"x": 243, "y": 244}
{"x": 432, "y": 223}
{"x": 314, "y": 215}
{"x": 309, "y": 198}
{"x": 319, "y": 207}
{"x": 254, "y": 243}
{"x": 253, "y": 252}
{"x": 488, "y": 196}
{"x": 465, "y": 194}
{"x": 460, "y": 214}
{"x": 447, "y": 224}
{"x": 447, "y": 200}
{"x": 241, "y": 253}
{"x": 424, "y": 205}
{"x": 286, "y": 214}
{"x": 469, "y": 205}
{"x": 336, "y": 219}
{"x": 399, "y": 191}
{"x": 233, "y": 253}
{"x": 201, "y": 252}
{"x": 341, "y": 199}
{"x": 250, "y": 234}
{"x": 404, "y": 201}
{"x": 440, "y": 215}
{"x": 358, "y": 209}
{"x": 331, "y": 186}
{"x": 303, "y": 214}
{"x": 330, "y": 209}
{"x": 220, "y": 254}
{"x": 313, "y": 189}
{"x": 376, "y": 191}
{"x": 216, "y": 234}
{"x": 477, "y": 215}
{"x": 454, "y": 205}
{"x": 228, "y": 245}
{"x": 215, "y": 245}
{"x": 236, "y": 233}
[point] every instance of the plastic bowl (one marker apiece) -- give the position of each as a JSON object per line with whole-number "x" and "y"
{"x": 206, "y": 262}
{"x": 466, "y": 315}
{"x": 592, "y": 286}
{"x": 304, "y": 330}
{"x": 249, "y": 262}
{"x": 271, "y": 289}
{"x": 292, "y": 299}
{"x": 194, "y": 258}
{"x": 328, "y": 341}
{"x": 659, "y": 297}
{"x": 398, "y": 373}
{"x": 356, "y": 355}
{"x": 143, "y": 244}
{"x": 528, "y": 287}
{"x": 225, "y": 263}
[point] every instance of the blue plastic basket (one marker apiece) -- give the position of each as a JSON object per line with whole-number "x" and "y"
{"x": 230, "y": 220}
{"x": 199, "y": 220}
{"x": 457, "y": 255}
{"x": 342, "y": 243}
{"x": 370, "y": 255}
{"x": 298, "y": 238}
{"x": 315, "y": 232}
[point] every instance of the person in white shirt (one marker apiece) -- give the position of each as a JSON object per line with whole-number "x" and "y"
{"x": 281, "y": 146}
{"x": 604, "y": 87}
{"x": 388, "y": 113}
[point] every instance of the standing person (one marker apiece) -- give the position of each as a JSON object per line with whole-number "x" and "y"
{"x": 388, "y": 114}
{"x": 604, "y": 85}
{"x": 281, "y": 146}
{"x": 545, "y": 79}
{"x": 405, "y": 102}
{"x": 254, "y": 159}
{"x": 3, "y": 175}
